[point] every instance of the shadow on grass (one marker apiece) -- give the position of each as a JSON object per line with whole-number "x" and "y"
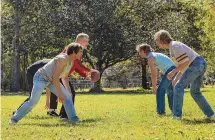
{"x": 116, "y": 92}
{"x": 40, "y": 117}
{"x": 65, "y": 123}
{"x": 112, "y": 92}
{"x": 17, "y": 93}
{"x": 203, "y": 121}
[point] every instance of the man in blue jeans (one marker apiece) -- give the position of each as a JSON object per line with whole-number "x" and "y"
{"x": 30, "y": 74}
{"x": 196, "y": 67}
{"x": 165, "y": 65}
{"x": 48, "y": 76}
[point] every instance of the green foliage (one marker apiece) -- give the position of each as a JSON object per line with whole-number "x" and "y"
{"x": 119, "y": 115}
{"x": 113, "y": 26}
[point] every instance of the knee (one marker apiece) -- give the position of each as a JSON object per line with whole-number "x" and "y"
{"x": 68, "y": 97}
{"x": 194, "y": 90}
{"x": 195, "y": 93}
{"x": 32, "y": 103}
{"x": 160, "y": 90}
{"x": 178, "y": 87}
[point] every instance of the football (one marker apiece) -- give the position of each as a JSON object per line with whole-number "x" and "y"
{"x": 95, "y": 76}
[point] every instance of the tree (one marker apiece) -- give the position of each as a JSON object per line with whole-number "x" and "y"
{"x": 112, "y": 28}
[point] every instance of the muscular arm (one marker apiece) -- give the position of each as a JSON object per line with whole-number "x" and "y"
{"x": 65, "y": 80}
{"x": 60, "y": 64}
{"x": 182, "y": 66}
{"x": 178, "y": 69}
{"x": 48, "y": 93}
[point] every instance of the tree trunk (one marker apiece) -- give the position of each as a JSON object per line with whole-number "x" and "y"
{"x": 2, "y": 70}
{"x": 25, "y": 64}
{"x": 15, "y": 74}
{"x": 97, "y": 86}
{"x": 144, "y": 79}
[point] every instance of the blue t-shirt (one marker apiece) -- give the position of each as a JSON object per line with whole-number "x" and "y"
{"x": 162, "y": 62}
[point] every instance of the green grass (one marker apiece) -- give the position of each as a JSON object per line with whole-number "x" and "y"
{"x": 113, "y": 115}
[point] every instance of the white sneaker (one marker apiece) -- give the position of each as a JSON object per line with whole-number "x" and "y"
{"x": 212, "y": 117}
{"x": 12, "y": 122}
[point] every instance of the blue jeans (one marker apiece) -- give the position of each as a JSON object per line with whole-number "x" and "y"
{"x": 165, "y": 85}
{"x": 39, "y": 84}
{"x": 192, "y": 76}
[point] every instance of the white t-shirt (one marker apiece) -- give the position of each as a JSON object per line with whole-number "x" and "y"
{"x": 180, "y": 53}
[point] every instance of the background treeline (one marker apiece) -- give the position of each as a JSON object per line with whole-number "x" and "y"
{"x": 38, "y": 29}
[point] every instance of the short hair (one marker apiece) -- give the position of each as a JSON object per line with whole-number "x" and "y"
{"x": 164, "y": 36}
{"x": 81, "y": 36}
{"x": 73, "y": 48}
{"x": 144, "y": 47}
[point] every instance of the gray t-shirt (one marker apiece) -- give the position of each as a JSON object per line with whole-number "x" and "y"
{"x": 180, "y": 52}
{"x": 47, "y": 70}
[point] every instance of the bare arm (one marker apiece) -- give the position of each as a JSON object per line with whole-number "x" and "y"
{"x": 153, "y": 74}
{"x": 178, "y": 69}
{"x": 65, "y": 80}
{"x": 178, "y": 76}
{"x": 60, "y": 64}
{"x": 48, "y": 93}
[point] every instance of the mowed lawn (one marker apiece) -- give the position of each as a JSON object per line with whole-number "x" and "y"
{"x": 113, "y": 115}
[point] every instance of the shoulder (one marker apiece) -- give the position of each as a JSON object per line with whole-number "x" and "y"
{"x": 150, "y": 55}
{"x": 62, "y": 58}
{"x": 177, "y": 45}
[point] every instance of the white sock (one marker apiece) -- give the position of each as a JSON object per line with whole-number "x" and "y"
{"x": 50, "y": 110}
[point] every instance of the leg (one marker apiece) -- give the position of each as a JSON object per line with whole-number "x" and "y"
{"x": 30, "y": 78}
{"x": 39, "y": 85}
{"x": 73, "y": 92}
{"x": 30, "y": 86}
{"x": 53, "y": 101}
{"x": 199, "y": 98}
{"x": 62, "y": 111}
{"x": 53, "y": 105}
{"x": 160, "y": 96}
{"x": 187, "y": 78}
{"x": 68, "y": 104}
{"x": 170, "y": 95}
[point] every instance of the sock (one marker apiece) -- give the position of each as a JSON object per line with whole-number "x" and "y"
{"x": 50, "y": 110}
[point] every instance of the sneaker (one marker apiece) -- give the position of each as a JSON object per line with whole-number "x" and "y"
{"x": 63, "y": 117}
{"x": 161, "y": 114}
{"x": 212, "y": 117}
{"x": 176, "y": 118}
{"x": 12, "y": 122}
{"x": 52, "y": 113}
{"x": 14, "y": 112}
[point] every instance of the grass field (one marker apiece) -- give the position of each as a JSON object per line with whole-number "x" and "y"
{"x": 113, "y": 115}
